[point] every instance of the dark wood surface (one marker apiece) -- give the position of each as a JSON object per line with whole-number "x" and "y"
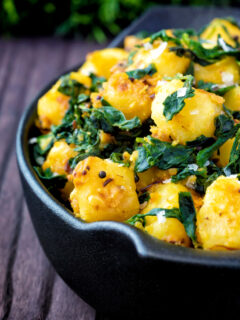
{"x": 29, "y": 287}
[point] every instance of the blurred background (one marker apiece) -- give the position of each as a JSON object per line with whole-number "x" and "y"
{"x": 94, "y": 19}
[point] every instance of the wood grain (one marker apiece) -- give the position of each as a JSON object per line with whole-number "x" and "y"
{"x": 29, "y": 287}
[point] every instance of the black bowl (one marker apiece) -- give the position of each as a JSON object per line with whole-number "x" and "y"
{"x": 114, "y": 267}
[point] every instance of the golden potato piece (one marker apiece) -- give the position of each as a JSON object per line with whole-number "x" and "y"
{"x": 223, "y": 154}
{"x": 58, "y": 156}
{"x": 53, "y": 105}
{"x": 130, "y": 42}
{"x": 232, "y": 99}
{"x": 195, "y": 119}
{"x": 166, "y": 196}
{"x": 104, "y": 190}
{"x": 218, "y": 221}
{"x": 166, "y": 62}
{"x": 133, "y": 98}
{"x": 225, "y": 72}
{"x": 100, "y": 62}
{"x": 222, "y": 27}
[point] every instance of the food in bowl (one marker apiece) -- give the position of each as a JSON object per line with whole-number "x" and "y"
{"x": 149, "y": 135}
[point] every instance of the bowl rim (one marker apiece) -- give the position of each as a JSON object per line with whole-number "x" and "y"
{"x": 146, "y": 246}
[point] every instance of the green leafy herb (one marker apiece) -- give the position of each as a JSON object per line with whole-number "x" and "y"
{"x": 188, "y": 214}
{"x": 140, "y": 73}
{"x": 168, "y": 213}
{"x": 118, "y": 158}
{"x": 70, "y": 87}
{"x": 225, "y": 130}
{"x": 233, "y": 166}
{"x": 196, "y": 51}
{"x": 130, "y": 57}
{"x": 164, "y": 37}
{"x": 174, "y": 103}
{"x": 214, "y": 88}
{"x": 111, "y": 118}
{"x": 51, "y": 181}
{"x": 153, "y": 152}
{"x": 96, "y": 82}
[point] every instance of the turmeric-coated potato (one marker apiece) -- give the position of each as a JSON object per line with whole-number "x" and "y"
{"x": 224, "y": 72}
{"x": 100, "y": 62}
{"x": 133, "y": 98}
{"x": 222, "y": 155}
{"x": 166, "y": 62}
{"x": 58, "y": 156}
{"x": 218, "y": 221}
{"x": 232, "y": 99}
{"x": 168, "y": 229}
{"x": 227, "y": 30}
{"x": 195, "y": 119}
{"x": 104, "y": 190}
{"x": 130, "y": 42}
{"x": 53, "y": 105}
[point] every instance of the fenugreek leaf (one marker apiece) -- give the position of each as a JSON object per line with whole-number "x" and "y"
{"x": 168, "y": 213}
{"x": 153, "y": 152}
{"x": 188, "y": 214}
{"x": 140, "y": 73}
{"x": 174, "y": 103}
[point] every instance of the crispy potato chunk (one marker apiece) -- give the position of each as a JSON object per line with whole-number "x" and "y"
{"x": 133, "y": 98}
{"x": 222, "y": 27}
{"x": 166, "y": 62}
{"x": 58, "y": 156}
{"x": 223, "y": 154}
{"x": 196, "y": 117}
{"x": 167, "y": 229}
{"x": 100, "y": 62}
{"x": 112, "y": 197}
{"x": 225, "y": 71}
{"x": 218, "y": 221}
{"x": 232, "y": 99}
{"x": 53, "y": 105}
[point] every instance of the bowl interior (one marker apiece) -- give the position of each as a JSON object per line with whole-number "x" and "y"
{"x": 146, "y": 246}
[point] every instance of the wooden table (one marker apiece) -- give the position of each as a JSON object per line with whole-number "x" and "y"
{"x": 29, "y": 287}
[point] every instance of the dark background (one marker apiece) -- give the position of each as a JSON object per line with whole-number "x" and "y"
{"x": 94, "y": 19}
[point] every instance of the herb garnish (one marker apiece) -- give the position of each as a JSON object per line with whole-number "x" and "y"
{"x": 140, "y": 73}
{"x": 174, "y": 103}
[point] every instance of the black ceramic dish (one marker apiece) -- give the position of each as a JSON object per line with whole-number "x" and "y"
{"x": 114, "y": 267}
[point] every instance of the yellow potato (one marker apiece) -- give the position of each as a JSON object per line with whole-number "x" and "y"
{"x": 223, "y": 154}
{"x": 53, "y": 105}
{"x": 195, "y": 119}
{"x": 113, "y": 197}
{"x": 222, "y": 27}
{"x": 218, "y": 221}
{"x": 58, "y": 156}
{"x": 133, "y": 98}
{"x": 232, "y": 99}
{"x": 225, "y": 72}
{"x": 166, "y": 62}
{"x": 100, "y": 62}
{"x": 130, "y": 42}
{"x": 168, "y": 229}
